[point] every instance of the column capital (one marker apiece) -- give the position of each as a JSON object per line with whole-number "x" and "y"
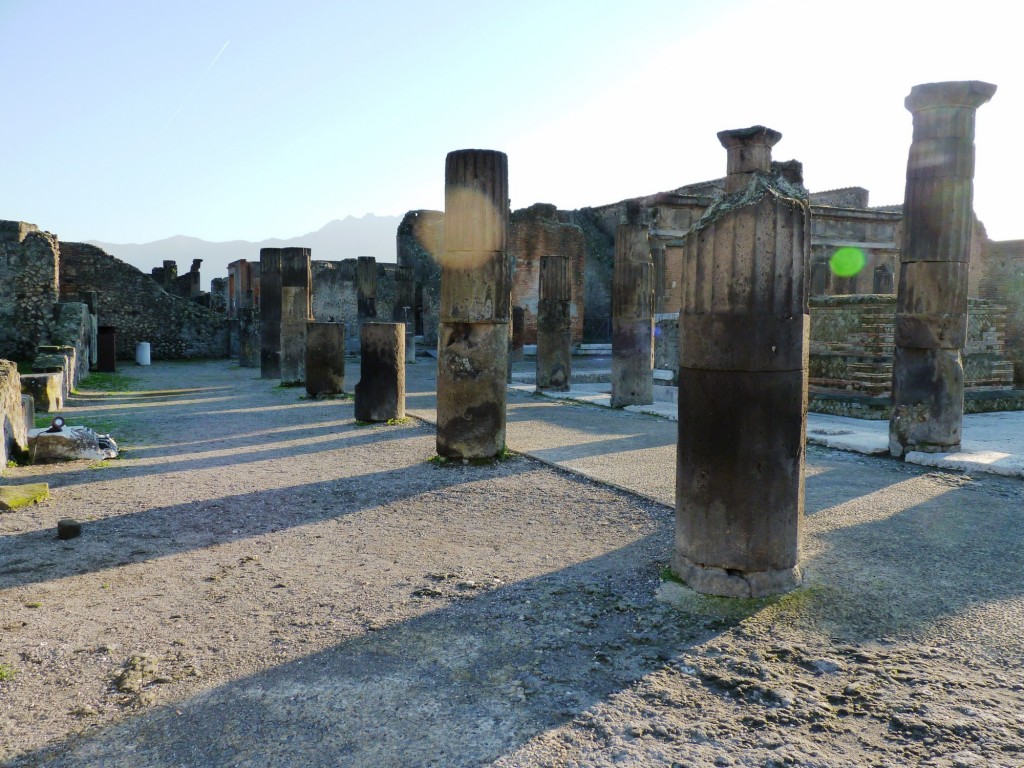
{"x": 748, "y": 150}
{"x": 967, "y": 94}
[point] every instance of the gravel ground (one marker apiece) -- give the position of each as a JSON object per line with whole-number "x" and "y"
{"x": 263, "y": 581}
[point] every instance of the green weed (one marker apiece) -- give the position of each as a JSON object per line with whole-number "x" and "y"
{"x": 7, "y": 672}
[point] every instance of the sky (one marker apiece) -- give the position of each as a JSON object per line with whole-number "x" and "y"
{"x": 137, "y": 120}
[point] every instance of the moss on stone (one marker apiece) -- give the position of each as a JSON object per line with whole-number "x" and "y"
{"x": 16, "y": 496}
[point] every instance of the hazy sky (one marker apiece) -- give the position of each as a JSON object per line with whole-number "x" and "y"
{"x": 135, "y": 120}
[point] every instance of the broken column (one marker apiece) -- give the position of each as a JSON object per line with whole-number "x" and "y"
{"x": 931, "y": 300}
{"x": 743, "y": 331}
{"x": 366, "y": 288}
{"x": 517, "y": 348}
{"x": 296, "y": 312}
{"x": 270, "y": 313}
{"x": 554, "y": 331}
{"x": 475, "y": 306}
{"x": 632, "y": 318}
{"x": 380, "y": 393}
{"x": 325, "y": 359}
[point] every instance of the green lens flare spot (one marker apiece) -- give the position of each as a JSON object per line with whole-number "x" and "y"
{"x": 847, "y": 261}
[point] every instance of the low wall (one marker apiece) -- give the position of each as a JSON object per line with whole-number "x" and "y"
{"x": 14, "y": 436}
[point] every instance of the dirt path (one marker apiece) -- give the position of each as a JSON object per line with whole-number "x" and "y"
{"x": 262, "y": 581}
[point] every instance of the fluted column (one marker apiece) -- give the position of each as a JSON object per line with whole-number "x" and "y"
{"x": 931, "y": 299}
{"x": 554, "y": 329}
{"x": 632, "y": 318}
{"x": 475, "y": 307}
{"x": 296, "y": 311}
{"x": 270, "y": 313}
{"x": 743, "y": 338}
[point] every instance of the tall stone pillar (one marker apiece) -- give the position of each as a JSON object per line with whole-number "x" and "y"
{"x": 632, "y": 318}
{"x": 475, "y": 306}
{"x": 325, "y": 359}
{"x": 296, "y": 311}
{"x": 743, "y": 339}
{"x": 554, "y": 330}
{"x": 366, "y": 289}
{"x": 660, "y": 278}
{"x": 517, "y": 348}
{"x": 931, "y": 300}
{"x": 380, "y": 393}
{"x": 270, "y": 313}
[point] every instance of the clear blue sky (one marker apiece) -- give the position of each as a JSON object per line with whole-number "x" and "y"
{"x": 131, "y": 121}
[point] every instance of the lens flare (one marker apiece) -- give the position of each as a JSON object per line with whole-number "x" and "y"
{"x": 847, "y": 261}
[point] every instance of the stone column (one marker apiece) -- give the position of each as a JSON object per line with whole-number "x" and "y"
{"x": 931, "y": 300}
{"x": 380, "y": 393}
{"x": 325, "y": 359}
{"x": 366, "y": 288}
{"x": 296, "y": 312}
{"x": 660, "y": 278}
{"x": 517, "y": 353}
{"x": 632, "y": 318}
{"x": 270, "y": 313}
{"x": 554, "y": 331}
{"x": 476, "y": 302}
{"x": 743, "y": 338}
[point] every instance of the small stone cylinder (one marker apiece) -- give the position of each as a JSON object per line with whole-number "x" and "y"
{"x": 380, "y": 393}
{"x": 476, "y": 302}
{"x": 296, "y": 311}
{"x": 270, "y": 313}
{"x": 554, "y": 329}
{"x": 931, "y": 298}
{"x": 632, "y": 318}
{"x": 325, "y": 359}
{"x": 743, "y": 332}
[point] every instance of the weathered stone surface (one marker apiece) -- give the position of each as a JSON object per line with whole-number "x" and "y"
{"x": 931, "y": 300}
{"x": 17, "y": 496}
{"x": 296, "y": 311}
{"x": 270, "y": 313}
{"x": 516, "y": 353}
{"x": 13, "y": 424}
{"x": 69, "y": 444}
{"x": 325, "y": 359}
{"x": 554, "y": 323}
{"x": 380, "y": 393}
{"x": 46, "y": 389}
{"x": 743, "y": 341}
{"x": 475, "y": 307}
{"x": 366, "y": 287}
{"x": 632, "y": 318}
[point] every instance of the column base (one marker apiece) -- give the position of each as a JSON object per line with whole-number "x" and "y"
{"x": 711, "y": 580}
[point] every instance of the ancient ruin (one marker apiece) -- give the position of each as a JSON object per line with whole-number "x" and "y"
{"x": 931, "y": 302}
{"x": 270, "y": 313}
{"x": 632, "y": 318}
{"x": 325, "y": 359}
{"x": 743, "y": 380}
{"x": 296, "y": 312}
{"x": 554, "y": 324}
{"x": 380, "y": 393}
{"x": 475, "y": 307}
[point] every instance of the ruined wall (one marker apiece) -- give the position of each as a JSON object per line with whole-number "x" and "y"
{"x": 140, "y": 309}
{"x": 13, "y": 436}
{"x": 534, "y": 232}
{"x": 876, "y": 234}
{"x": 847, "y": 197}
{"x": 29, "y": 268}
{"x": 336, "y": 299}
{"x": 420, "y": 243}
{"x": 72, "y": 327}
{"x": 1003, "y": 281}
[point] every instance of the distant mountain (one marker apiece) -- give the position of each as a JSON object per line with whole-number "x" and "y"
{"x": 339, "y": 239}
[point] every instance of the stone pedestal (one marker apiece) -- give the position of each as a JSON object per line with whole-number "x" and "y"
{"x": 296, "y": 312}
{"x": 554, "y": 331}
{"x": 475, "y": 307}
{"x": 270, "y": 313}
{"x": 743, "y": 333}
{"x": 325, "y": 359}
{"x": 931, "y": 299}
{"x": 632, "y": 318}
{"x": 380, "y": 393}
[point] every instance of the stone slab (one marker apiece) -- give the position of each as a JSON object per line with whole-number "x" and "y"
{"x": 14, "y": 497}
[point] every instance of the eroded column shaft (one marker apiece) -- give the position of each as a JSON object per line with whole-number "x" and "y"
{"x": 554, "y": 329}
{"x": 270, "y": 313}
{"x": 931, "y": 299}
{"x": 325, "y": 359}
{"x": 296, "y": 311}
{"x": 743, "y": 332}
{"x": 366, "y": 288}
{"x": 475, "y": 307}
{"x": 632, "y": 318}
{"x": 380, "y": 393}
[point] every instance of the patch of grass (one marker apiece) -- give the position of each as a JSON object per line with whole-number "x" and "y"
{"x": 290, "y": 384}
{"x": 109, "y": 382}
{"x": 7, "y": 672}
{"x": 667, "y": 574}
{"x": 102, "y": 464}
{"x": 444, "y": 461}
{"x": 396, "y": 422}
{"x": 338, "y": 396}
{"x": 33, "y": 605}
